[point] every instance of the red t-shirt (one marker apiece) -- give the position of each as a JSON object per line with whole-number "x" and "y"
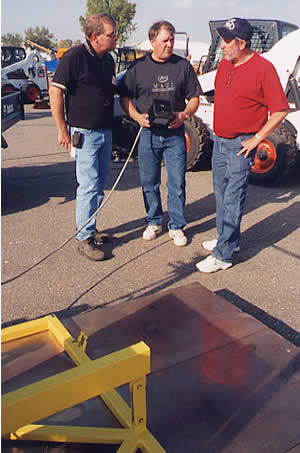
{"x": 244, "y": 95}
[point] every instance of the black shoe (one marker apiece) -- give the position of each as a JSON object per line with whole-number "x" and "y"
{"x": 91, "y": 250}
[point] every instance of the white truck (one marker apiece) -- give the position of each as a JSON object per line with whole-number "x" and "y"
{"x": 24, "y": 71}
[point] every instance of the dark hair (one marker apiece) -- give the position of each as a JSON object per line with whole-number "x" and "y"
{"x": 157, "y": 26}
{"x": 94, "y": 24}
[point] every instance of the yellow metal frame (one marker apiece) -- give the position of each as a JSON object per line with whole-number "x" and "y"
{"x": 22, "y": 408}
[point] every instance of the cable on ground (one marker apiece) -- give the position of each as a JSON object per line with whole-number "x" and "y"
{"x": 95, "y": 213}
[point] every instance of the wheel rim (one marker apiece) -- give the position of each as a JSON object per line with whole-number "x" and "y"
{"x": 265, "y": 157}
{"x": 188, "y": 142}
{"x": 32, "y": 93}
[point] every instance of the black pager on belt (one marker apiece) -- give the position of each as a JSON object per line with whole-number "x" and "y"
{"x": 77, "y": 139}
{"x": 160, "y": 113}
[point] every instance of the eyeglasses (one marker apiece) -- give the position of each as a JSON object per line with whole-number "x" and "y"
{"x": 228, "y": 41}
{"x": 111, "y": 35}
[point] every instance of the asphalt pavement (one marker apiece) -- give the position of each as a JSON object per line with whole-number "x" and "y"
{"x": 38, "y": 215}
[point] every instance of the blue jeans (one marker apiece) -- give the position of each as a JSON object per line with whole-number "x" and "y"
{"x": 155, "y": 144}
{"x": 92, "y": 168}
{"x": 230, "y": 181}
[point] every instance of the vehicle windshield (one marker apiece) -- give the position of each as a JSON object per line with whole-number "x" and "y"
{"x": 261, "y": 41}
{"x": 11, "y": 55}
{"x": 265, "y": 35}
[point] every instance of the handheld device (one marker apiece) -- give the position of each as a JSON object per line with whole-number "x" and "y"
{"x": 160, "y": 113}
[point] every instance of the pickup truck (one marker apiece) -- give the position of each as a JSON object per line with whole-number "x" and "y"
{"x": 12, "y": 110}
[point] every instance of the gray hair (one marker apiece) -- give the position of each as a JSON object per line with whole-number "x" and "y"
{"x": 94, "y": 24}
{"x": 248, "y": 43}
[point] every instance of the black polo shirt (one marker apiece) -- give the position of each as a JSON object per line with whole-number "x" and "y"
{"x": 89, "y": 84}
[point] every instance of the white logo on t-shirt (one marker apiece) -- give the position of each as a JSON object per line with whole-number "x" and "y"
{"x": 163, "y": 84}
{"x": 163, "y": 78}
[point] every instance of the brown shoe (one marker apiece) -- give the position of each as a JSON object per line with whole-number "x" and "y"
{"x": 102, "y": 238}
{"x": 91, "y": 250}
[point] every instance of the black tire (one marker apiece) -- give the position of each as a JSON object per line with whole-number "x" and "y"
{"x": 274, "y": 157}
{"x": 197, "y": 141}
{"x": 30, "y": 93}
{"x": 124, "y": 131}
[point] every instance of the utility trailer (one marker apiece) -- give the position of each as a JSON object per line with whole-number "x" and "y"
{"x": 12, "y": 111}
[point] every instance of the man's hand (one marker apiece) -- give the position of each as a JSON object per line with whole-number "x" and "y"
{"x": 64, "y": 138}
{"x": 57, "y": 108}
{"x": 178, "y": 121}
{"x": 142, "y": 119}
{"x": 130, "y": 110}
{"x": 248, "y": 146}
{"x": 274, "y": 121}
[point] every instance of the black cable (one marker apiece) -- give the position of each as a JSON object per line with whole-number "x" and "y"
{"x": 95, "y": 213}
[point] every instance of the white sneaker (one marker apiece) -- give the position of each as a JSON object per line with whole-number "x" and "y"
{"x": 210, "y": 245}
{"x": 151, "y": 232}
{"x": 178, "y": 237}
{"x": 212, "y": 264}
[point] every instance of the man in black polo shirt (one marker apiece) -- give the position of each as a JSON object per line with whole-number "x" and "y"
{"x": 170, "y": 79}
{"x": 86, "y": 76}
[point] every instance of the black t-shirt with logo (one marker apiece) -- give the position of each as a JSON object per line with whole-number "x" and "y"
{"x": 88, "y": 82}
{"x": 173, "y": 80}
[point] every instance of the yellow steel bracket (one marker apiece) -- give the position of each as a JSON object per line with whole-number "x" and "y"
{"x": 22, "y": 409}
{"x": 82, "y": 340}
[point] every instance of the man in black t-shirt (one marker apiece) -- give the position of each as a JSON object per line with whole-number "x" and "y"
{"x": 164, "y": 79}
{"x": 83, "y": 87}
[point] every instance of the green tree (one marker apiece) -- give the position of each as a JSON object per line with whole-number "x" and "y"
{"x": 12, "y": 40}
{"x": 65, "y": 43}
{"x": 40, "y": 35}
{"x": 122, "y": 11}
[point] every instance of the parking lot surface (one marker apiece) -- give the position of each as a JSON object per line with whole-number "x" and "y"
{"x": 38, "y": 214}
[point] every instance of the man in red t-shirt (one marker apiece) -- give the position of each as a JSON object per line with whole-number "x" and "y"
{"x": 249, "y": 105}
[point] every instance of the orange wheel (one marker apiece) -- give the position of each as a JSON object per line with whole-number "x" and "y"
{"x": 31, "y": 93}
{"x": 274, "y": 157}
{"x": 265, "y": 157}
{"x": 188, "y": 141}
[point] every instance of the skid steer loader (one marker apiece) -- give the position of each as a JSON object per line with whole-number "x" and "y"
{"x": 24, "y": 71}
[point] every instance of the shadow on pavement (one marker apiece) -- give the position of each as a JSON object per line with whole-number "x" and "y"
{"x": 269, "y": 231}
{"x": 30, "y": 186}
{"x": 36, "y": 115}
{"x": 62, "y": 314}
{"x": 273, "y": 323}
